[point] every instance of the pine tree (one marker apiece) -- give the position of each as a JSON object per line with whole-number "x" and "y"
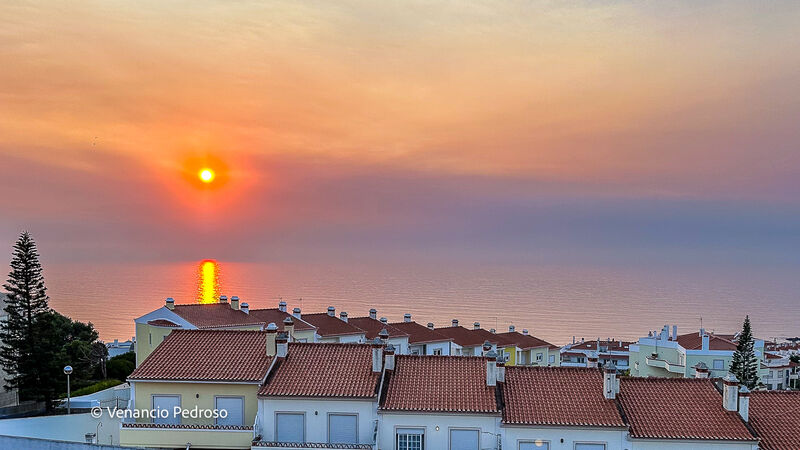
{"x": 745, "y": 364}
{"x": 26, "y": 303}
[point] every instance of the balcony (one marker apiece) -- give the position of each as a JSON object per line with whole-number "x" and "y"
{"x": 178, "y": 436}
{"x": 257, "y": 445}
{"x": 666, "y": 365}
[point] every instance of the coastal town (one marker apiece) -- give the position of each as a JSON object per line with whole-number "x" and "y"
{"x": 290, "y": 379}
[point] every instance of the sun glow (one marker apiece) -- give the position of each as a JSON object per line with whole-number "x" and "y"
{"x": 206, "y": 175}
{"x": 208, "y": 282}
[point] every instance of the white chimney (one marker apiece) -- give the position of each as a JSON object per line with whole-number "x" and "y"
{"x": 431, "y": 326}
{"x": 389, "y": 352}
{"x": 492, "y": 330}
{"x": 476, "y": 326}
{"x": 406, "y": 317}
{"x": 235, "y": 302}
{"x": 730, "y": 392}
{"x": 384, "y": 335}
{"x": 491, "y": 369}
{"x": 223, "y": 299}
{"x": 373, "y": 313}
{"x": 331, "y": 311}
{"x": 705, "y": 342}
{"x": 610, "y": 381}
{"x": 377, "y": 355}
{"x": 591, "y": 360}
{"x": 343, "y": 316}
{"x": 282, "y": 306}
{"x": 282, "y": 344}
{"x": 674, "y": 332}
{"x": 245, "y": 308}
{"x": 170, "y": 303}
{"x": 288, "y": 327}
{"x": 701, "y": 370}
{"x": 272, "y": 331}
{"x": 296, "y": 313}
{"x": 702, "y": 332}
{"x": 384, "y": 320}
{"x": 500, "y": 362}
{"x": 454, "y": 322}
{"x": 525, "y": 331}
{"x": 511, "y": 328}
{"x": 744, "y": 403}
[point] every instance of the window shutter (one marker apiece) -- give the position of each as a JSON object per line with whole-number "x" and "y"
{"x": 343, "y": 429}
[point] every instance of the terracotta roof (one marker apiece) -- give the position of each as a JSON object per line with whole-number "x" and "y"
{"x": 373, "y": 326}
{"x": 524, "y": 341}
{"x": 276, "y": 316}
{"x": 163, "y": 323}
{"x": 468, "y": 337}
{"x": 440, "y": 384}
{"x": 775, "y": 415}
{"x": 331, "y": 325}
{"x": 678, "y": 408}
{"x": 418, "y": 334}
{"x": 323, "y": 370}
{"x": 210, "y": 315}
{"x": 207, "y": 355}
{"x": 557, "y": 396}
{"x": 693, "y": 341}
{"x": 772, "y": 356}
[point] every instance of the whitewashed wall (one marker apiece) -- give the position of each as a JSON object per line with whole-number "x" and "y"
{"x": 437, "y": 439}
{"x": 316, "y": 412}
{"x": 613, "y": 438}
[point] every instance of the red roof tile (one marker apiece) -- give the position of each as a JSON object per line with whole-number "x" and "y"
{"x": 693, "y": 341}
{"x": 557, "y": 396}
{"x": 440, "y": 384}
{"x": 678, "y": 408}
{"x": 276, "y": 316}
{"x": 418, "y": 334}
{"x": 207, "y": 355}
{"x": 524, "y": 341}
{"x": 323, "y": 370}
{"x": 775, "y": 416}
{"x": 373, "y": 326}
{"x": 163, "y": 323}
{"x": 468, "y": 337}
{"x": 331, "y": 325}
{"x": 221, "y": 315}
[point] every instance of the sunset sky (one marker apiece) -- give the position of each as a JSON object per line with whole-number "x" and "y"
{"x": 539, "y": 131}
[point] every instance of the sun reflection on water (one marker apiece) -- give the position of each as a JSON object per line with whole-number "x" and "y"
{"x": 208, "y": 281}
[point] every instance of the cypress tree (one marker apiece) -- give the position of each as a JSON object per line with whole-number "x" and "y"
{"x": 745, "y": 364}
{"x": 26, "y": 303}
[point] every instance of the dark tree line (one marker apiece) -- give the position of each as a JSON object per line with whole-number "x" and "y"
{"x": 37, "y": 342}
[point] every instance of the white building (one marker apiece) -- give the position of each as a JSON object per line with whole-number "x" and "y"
{"x": 423, "y": 340}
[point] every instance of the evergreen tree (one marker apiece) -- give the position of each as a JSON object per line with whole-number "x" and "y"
{"x": 19, "y": 334}
{"x": 745, "y": 364}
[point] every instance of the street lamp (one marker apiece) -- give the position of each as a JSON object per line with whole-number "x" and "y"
{"x": 67, "y": 371}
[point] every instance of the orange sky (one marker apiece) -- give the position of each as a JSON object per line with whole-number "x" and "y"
{"x": 658, "y": 100}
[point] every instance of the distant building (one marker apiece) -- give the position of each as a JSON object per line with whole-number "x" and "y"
{"x": 606, "y": 351}
{"x": 117, "y": 348}
{"x": 522, "y": 349}
{"x": 668, "y": 354}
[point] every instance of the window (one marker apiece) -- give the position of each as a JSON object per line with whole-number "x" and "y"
{"x": 539, "y": 356}
{"x": 719, "y": 364}
{"x": 410, "y": 439}
{"x": 169, "y": 403}
{"x": 290, "y": 427}
{"x": 589, "y": 446}
{"x": 534, "y": 445}
{"x": 234, "y": 406}
{"x": 461, "y": 439}
{"x": 415, "y": 351}
{"x": 343, "y": 428}
{"x": 552, "y": 359}
{"x": 437, "y": 352}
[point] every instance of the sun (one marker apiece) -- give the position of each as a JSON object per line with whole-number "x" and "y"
{"x": 206, "y": 175}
